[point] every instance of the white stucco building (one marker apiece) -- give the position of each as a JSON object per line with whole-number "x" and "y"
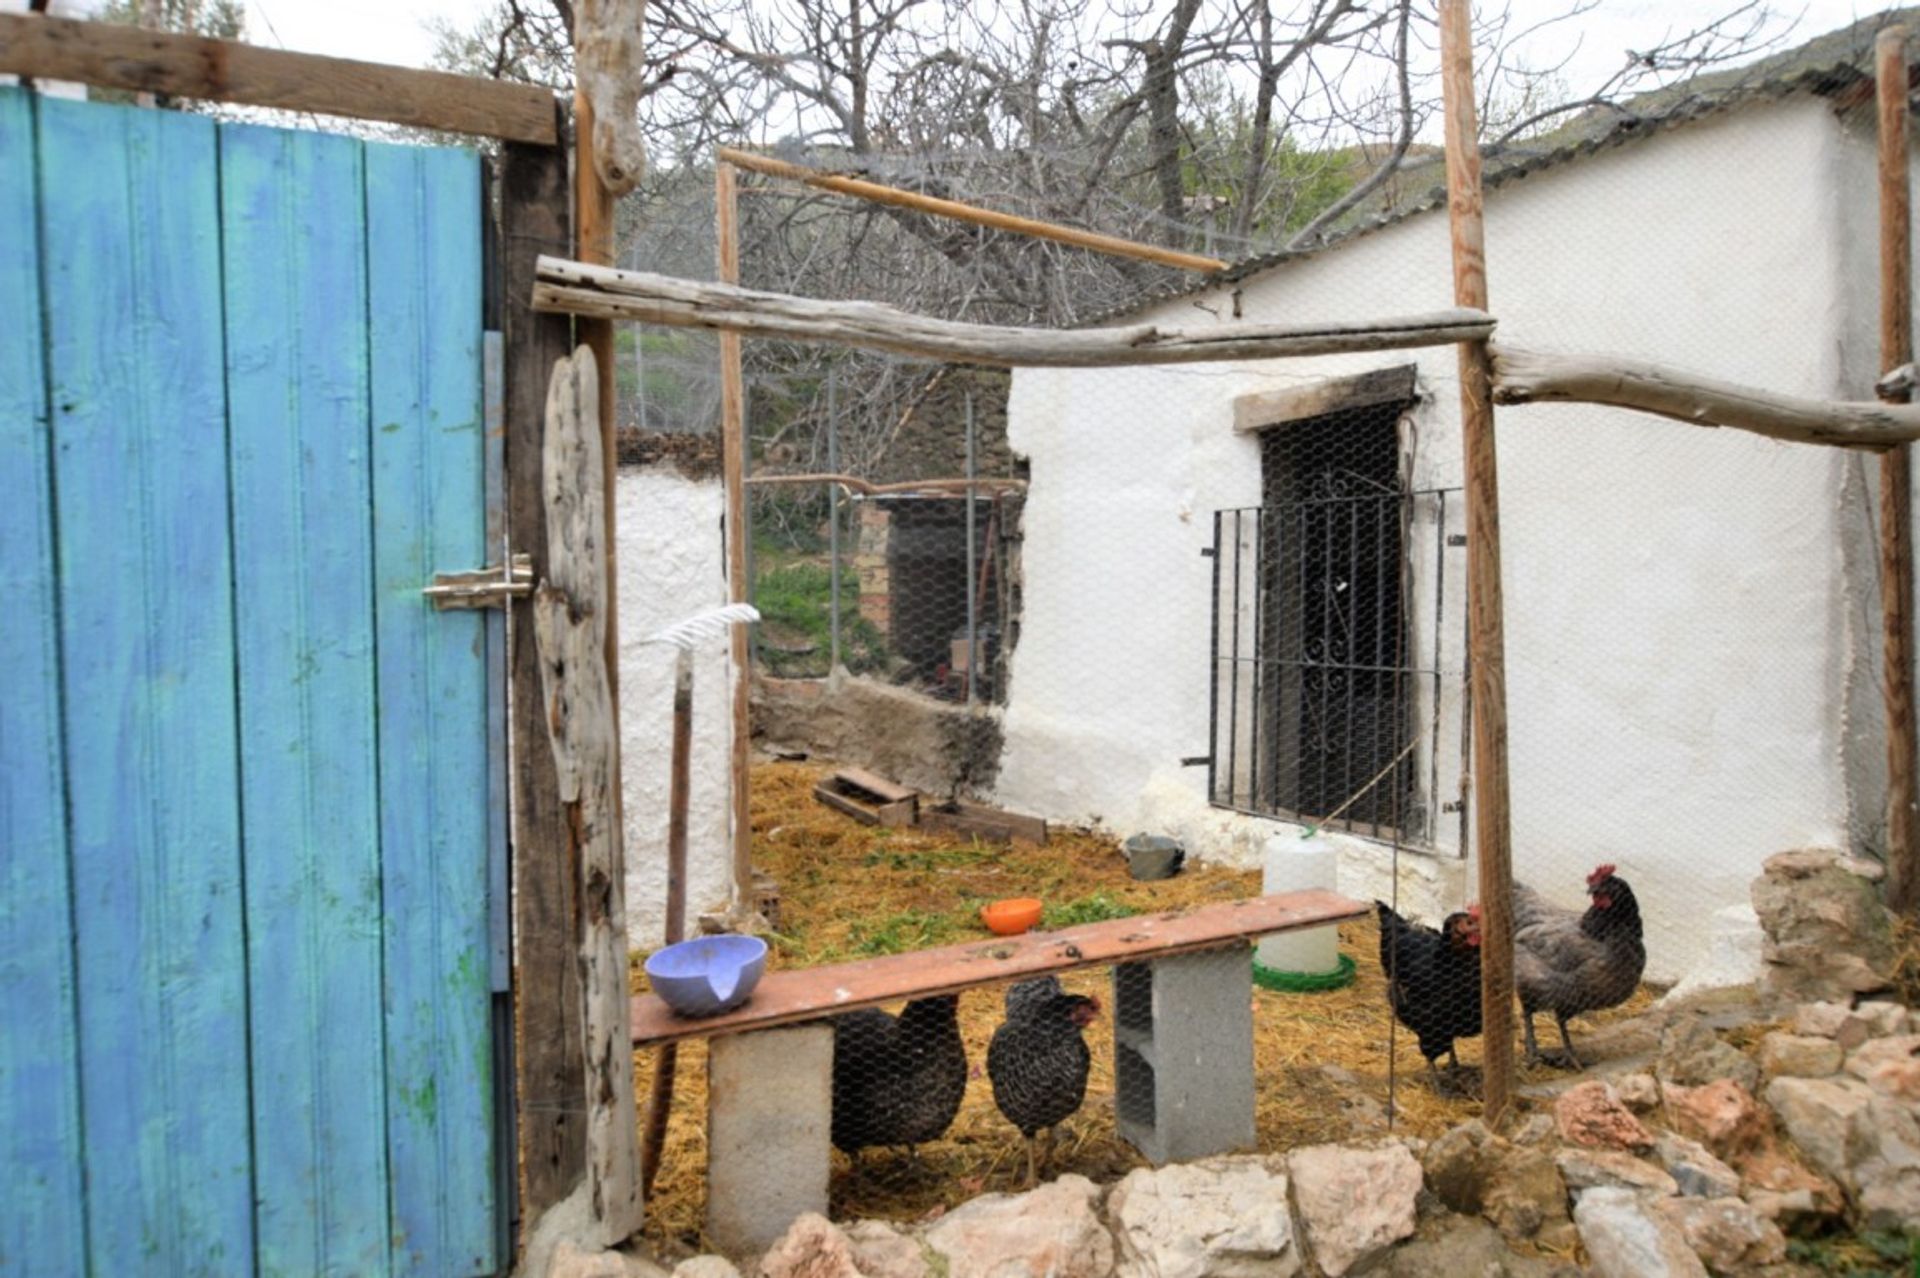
{"x": 1691, "y": 615}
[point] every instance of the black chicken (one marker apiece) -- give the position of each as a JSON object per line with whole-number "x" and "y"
{"x": 1433, "y": 982}
{"x": 897, "y": 1080}
{"x": 1568, "y": 963}
{"x": 1038, "y": 1061}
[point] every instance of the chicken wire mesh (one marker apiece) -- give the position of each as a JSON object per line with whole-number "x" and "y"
{"x": 1227, "y": 603}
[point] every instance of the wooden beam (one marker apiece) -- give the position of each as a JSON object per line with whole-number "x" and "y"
{"x": 569, "y": 626}
{"x": 804, "y": 994}
{"x": 122, "y": 57}
{"x": 547, "y": 1035}
{"x": 733, "y": 465}
{"x": 582, "y": 289}
{"x": 1486, "y": 639}
{"x": 1896, "y": 474}
{"x": 1530, "y": 377}
{"x": 879, "y": 193}
{"x": 1263, "y": 410}
{"x": 871, "y": 489}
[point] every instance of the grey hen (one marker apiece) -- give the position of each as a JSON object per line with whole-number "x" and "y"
{"x": 1568, "y": 963}
{"x": 897, "y": 1080}
{"x": 1038, "y": 1061}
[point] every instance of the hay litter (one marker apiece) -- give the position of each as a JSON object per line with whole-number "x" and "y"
{"x": 852, "y": 891}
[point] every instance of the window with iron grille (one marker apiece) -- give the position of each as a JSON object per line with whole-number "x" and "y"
{"x": 1329, "y": 648}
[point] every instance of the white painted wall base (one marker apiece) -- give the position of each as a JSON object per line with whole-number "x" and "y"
{"x": 671, "y": 565}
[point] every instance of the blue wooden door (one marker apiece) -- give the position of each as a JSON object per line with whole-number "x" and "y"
{"x": 245, "y": 996}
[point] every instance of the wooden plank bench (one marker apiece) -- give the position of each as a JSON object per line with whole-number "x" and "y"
{"x": 1183, "y": 1044}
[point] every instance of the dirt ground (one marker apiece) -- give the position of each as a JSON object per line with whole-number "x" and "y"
{"x": 1326, "y": 1063}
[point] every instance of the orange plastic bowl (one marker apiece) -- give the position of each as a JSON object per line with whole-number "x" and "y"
{"x": 1011, "y": 917}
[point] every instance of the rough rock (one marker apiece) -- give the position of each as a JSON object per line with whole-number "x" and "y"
{"x": 1462, "y": 1247}
{"x": 1354, "y": 1203}
{"x": 710, "y": 1267}
{"x": 1866, "y": 1140}
{"x": 1723, "y": 1116}
{"x": 569, "y": 1260}
{"x": 1694, "y": 1168}
{"x": 1691, "y": 1054}
{"x": 1638, "y": 1092}
{"x": 881, "y": 1251}
{"x": 1473, "y": 1172}
{"x": 1050, "y": 1232}
{"x": 1884, "y": 1018}
{"x": 1799, "y": 1056}
{"x": 1584, "y": 1169}
{"x": 1889, "y": 1065}
{"x": 1827, "y": 935}
{"x": 812, "y": 1247}
{"x": 1537, "y": 1129}
{"x": 1224, "y": 1218}
{"x": 1782, "y": 1190}
{"x": 1726, "y": 1233}
{"x": 1627, "y": 1238}
{"x": 1591, "y": 1114}
{"x": 1825, "y": 1118}
{"x": 1822, "y": 1019}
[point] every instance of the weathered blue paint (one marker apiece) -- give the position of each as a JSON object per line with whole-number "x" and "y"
{"x": 42, "y": 1216}
{"x": 293, "y": 224}
{"x": 428, "y": 503}
{"x": 131, "y": 294}
{"x": 244, "y": 768}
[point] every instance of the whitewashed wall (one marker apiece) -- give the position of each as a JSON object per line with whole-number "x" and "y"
{"x": 1677, "y": 630}
{"x": 671, "y": 565}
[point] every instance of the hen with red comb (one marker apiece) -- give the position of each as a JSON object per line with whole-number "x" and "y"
{"x": 1568, "y": 963}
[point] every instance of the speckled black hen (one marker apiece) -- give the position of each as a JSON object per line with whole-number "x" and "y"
{"x": 1568, "y": 963}
{"x": 897, "y": 1080}
{"x": 1433, "y": 982}
{"x": 1038, "y": 1061}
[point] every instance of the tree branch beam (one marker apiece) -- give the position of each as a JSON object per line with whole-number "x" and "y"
{"x": 1530, "y": 377}
{"x": 603, "y": 292}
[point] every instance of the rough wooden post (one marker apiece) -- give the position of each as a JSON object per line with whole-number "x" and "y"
{"x": 546, "y": 980}
{"x": 1486, "y": 640}
{"x": 569, "y": 626}
{"x": 733, "y": 455}
{"x": 1896, "y": 483}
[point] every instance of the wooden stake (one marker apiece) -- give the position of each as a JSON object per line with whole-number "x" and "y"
{"x": 653, "y": 1135}
{"x": 733, "y": 460}
{"x": 879, "y": 193}
{"x": 1486, "y": 642}
{"x": 1896, "y": 483}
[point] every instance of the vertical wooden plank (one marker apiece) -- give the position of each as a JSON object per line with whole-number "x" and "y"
{"x": 293, "y": 226}
{"x": 130, "y": 224}
{"x": 1896, "y": 474}
{"x": 429, "y": 507}
{"x": 43, "y": 1220}
{"x": 733, "y": 456}
{"x": 1486, "y": 638}
{"x": 552, "y": 1152}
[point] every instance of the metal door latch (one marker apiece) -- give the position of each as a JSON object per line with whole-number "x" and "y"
{"x": 489, "y": 587}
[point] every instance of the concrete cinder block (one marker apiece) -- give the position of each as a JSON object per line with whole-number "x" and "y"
{"x": 769, "y": 1119}
{"x": 1183, "y": 1054}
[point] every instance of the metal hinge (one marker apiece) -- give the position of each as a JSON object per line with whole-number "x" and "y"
{"x": 489, "y": 587}
{"x": 1453, "y": 805}
{"x": 1456, "y": 539}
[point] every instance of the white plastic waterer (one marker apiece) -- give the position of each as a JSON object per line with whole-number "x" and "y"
{"x": 1295, "y": 864}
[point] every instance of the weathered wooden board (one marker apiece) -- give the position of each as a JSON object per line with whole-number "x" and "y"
{"x": 888, "y": 806}
{"x": 44, "y": 1217}
{"x": 131, "y": 246}
{"x": 785, "y": 997}
{"x": 548, "y": 1048}
{"x": 428, "y": 516}
{"x": 293, "y": 225}
{"x": 962, "y": 817}
{"x": 127, "y": 57}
